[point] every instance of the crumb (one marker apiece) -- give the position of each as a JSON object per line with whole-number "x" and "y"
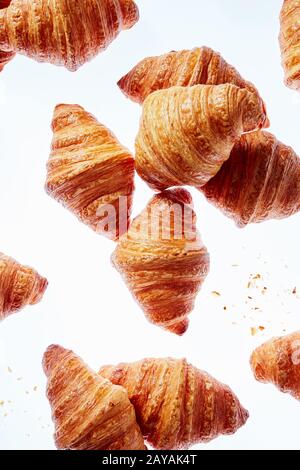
{"x": 216, "y": 293}
{"x": 19, "y": 378}
{"x": 261, "y": 328}
{"x": 27, "y": 392}
{"x": 9, "y": 370}
{"x": 249, "y": 285}
{"x": 294, "y": 291}
{"x": 5, "y": 414}
{"x": 264, "y": 290}
{"x": 35, "y": 388}
{"x": 253, "y": 331}
{"x": 225, "y": 308}
{"x": 2, "y": 402}
{"x": 249, "y": 297}
{"x": 256, "y": 277}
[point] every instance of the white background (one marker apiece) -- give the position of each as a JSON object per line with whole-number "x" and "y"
{"x": 87, "y": 307}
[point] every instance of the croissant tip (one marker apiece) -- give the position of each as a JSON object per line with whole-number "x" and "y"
{"x": 41, "y": 289}
{"x": 179, "y": 328}
{"x": 50, "y": 356}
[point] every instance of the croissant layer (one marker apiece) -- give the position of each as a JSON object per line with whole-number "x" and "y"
{"x": 64, "y": 32}
{"x": 186, "y": 133}
{"x": 176, "y": 404}
{"x": 19, "y": 286}
{"x": 278, "y": 361}
{"x": 89, "y": 412}
{"x": 289, "y": 39}
{"x": 199, "y": 66}
{"x": 163, "y": 260}
{"x": 90, "y": 172}
{"x": 260, "y": 180}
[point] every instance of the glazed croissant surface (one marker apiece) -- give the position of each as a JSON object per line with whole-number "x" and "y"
{"x": 199, "y": 66}
{"x": 290, "y": 42}
{"x": 163, "y": 260}
{"x": 260, "y": 180}
{"x": 19, "y": 286}
{"x": 176, "y": 404}
{"x": 89, "y": 412}
{"x": 64, "y": 32}
{"x": 186, "y": 133}
{"x": 278, "y": 361}
{"x": 89, "y": 171}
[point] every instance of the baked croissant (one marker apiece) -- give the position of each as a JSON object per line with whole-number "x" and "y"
{"x": 199, "y": 66}
{"x": 163, "y": 260}
{"x": 89, "y": 412}
{"x": 90, "y": 172}
{"x": 19, "y": 286}
{"x": 289, "y": 39}
{"x": 64, "y": 32}
{"x": 278, "y": 361}
{"x": 260, "y": 180}
{"x": 186, "y": 133}
{"x": 176, "y": 404}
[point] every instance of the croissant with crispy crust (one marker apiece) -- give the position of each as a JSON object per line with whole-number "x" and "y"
{"x": 186, "y": 133}
{"x": 199, "y": 66}
{"x": 163, "y": 260}
{"x": 89, "y": 412}
{"x": 19, "y": 286}
{"x": 278, "y": 361}
{"x": 64, "y": 32}
{"x": 177, "y": 405}
{"x": 260, "y": 180}
{"x": 289, "y": 39}
{"x": 90, "y": 172}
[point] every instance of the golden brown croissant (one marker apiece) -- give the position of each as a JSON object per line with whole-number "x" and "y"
{"x": 199, "y": 66}
{"x": 89, "y": 412}
{"x": 64, "y": 32}
{"x": 290, "y": 42}
{"x": 186, "y": 133}
{"x": 260, "y": 180}
{"x": 19, "y": 286}
{"x": 278, "y": 361}
{"x": 90, "y": 172}
{"x": 163, "y": 260}
{"x": 176, "y": 404}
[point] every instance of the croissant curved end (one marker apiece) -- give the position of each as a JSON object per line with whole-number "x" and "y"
{"x": 51, "y": 357}
{"x": 130, "y": 13}
{"x": 42, "y": 284}
{"x": 179, "y": 328}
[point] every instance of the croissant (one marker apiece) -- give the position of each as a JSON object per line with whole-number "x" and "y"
{"x": 186, "y": 133}
{"x": 260, "y": 181}
{"x": 199, "y": 66}
{"x": 89, "y": 412}
{"x": 19, "y": 286}
{"x": 163, "y": 260}
{"x": 64, "y": 32}
{"x": 289, "y": 39}
{"x": 176, "y": 404}
{"x": 90, "y": 172}
{"x": 278, "y": 361}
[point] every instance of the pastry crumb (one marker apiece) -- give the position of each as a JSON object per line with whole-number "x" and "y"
{"x": 253, "y": 331}
{"x": 216, "y": 293}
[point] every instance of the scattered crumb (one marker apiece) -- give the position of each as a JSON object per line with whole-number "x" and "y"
{"x": 249, "y": 297}
{"x": 261, "y": 328}
{"x": 225, "y": 308}
{"x": 19, "y": 378}
{"x": 257, "y": 276}
{"x": 9, "y": 370}
{"x": 1, "y": 402}
{"x": 294, "y": 291}
{"x": 253, "y": 331}
{"x": 35, "y": 388}
{"x": 216, "y": 293}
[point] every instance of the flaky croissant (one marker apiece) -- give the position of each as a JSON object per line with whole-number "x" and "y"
{"x": 278, "y": 361}
{"x": 163, "y": 260}
{"x": 19, "y": 286}
{"x": 186, "y": 133}
{"x": 289, "y": 39}
{"x": 89, "y": 412}
{"x": 90, "y": 172}
{"x": 176, "y": 404}
{"x": 199, "y": 66}
{"x": 260, "y": 180}
{"x": 64, "y": 32}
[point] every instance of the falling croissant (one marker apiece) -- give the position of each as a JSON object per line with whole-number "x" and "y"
{"x": 64, "y": 32}
{"x": 89, "y": 412}
{"x": 163, "y": 260}
{"x": 90, "y": 172}
{"x": 177, "y": 405}
{"x": 186, "y": 133}
{"x": 260, "y": 180}
{"x": 19, "y": 286}
{"x": 278, "y": 361}
{"x": 290, "y": 42}
{"x": 199, "y": 66}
